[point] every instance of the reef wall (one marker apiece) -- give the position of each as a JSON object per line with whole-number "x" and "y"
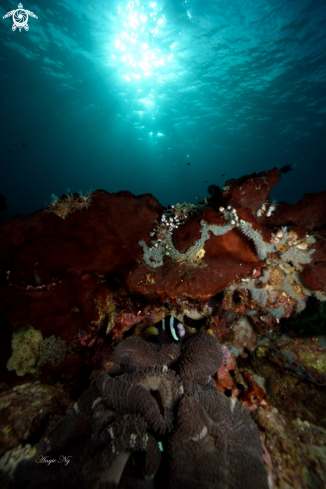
{"x": 89, "y": 270}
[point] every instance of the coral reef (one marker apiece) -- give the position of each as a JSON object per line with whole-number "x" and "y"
{"x": 304, "y": 359}
{"x": 289, "y": 380}
{"x": 244, "y": 336}
{"x": 123, "y": 416}
{"x": 63, "y": 285}
{"x": 297, "y": 450}
{"x": 25, "y": 410}
{"x": 131, "y": 332}
{"x": 225, "y": 380}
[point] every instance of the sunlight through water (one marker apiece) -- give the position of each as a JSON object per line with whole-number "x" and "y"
{"x": 138, "y": 45}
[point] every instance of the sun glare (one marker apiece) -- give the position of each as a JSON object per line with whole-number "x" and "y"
{"x": 137, "y": 46}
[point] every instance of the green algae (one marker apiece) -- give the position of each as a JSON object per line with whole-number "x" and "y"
{"x": 315, "y": 360}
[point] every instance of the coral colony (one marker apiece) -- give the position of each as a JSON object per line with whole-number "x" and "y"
{"x": 161, "y": 341}
{"x": 69, "y": 203}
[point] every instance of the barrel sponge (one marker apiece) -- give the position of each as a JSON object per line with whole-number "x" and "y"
{"x": 25, "y": 346}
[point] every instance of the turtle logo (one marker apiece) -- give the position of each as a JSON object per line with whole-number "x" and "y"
{"x": 20, "y": 18}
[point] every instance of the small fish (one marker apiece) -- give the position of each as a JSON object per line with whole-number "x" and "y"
{"x": 9, "y": 151}
{"x": 170, "y": 330}
{"x": 188, "y": 164}
{"x": 206, "y": 181}
{"x": 23, "y": 145}
{"x": 286, "y": 168}
{"x": 223, "y": 174}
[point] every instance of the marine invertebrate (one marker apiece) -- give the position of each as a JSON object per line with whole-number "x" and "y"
{"x": 304, "y": 358}
{"x": 11, "y": 459}
{"x": 254, "y": 396}
{"x": 101, "y": 463}
{"x": 194, "y": 444}
{"x": 263, "y": 209}
{"x": 277, "y": 312}
{"x": 52, "y": 351}
{"x": 222, "y": 422}
{"x": 321, "y": 296}
{"x": 194, "y": 349}
{"x": 24, "y": 411}
{"x": 230, "y": 215}
{"x": 226, "y": 376}
{"x": 259, "y": 294}
{"x": 271, "y": 209}
{"x": 134, "y": 353}
{"x": 151, "y": 392}
{"x": 276, "y": 277}
{"x": 242, "y": 439}
{"x": 244, "y": 336}
{"x": 26, "y": 350}
{"x": 229, "y": 316}
{"x": 297, "y": 256}
{"x": 153, "y": 254}
{"x": 163, "y": 243}
{"x": 262, "y": 248}
{"x": 279, "y": 290}
{"x": 126, "y": 435}
{"x": 121, "y": 417}
{"x": 69, "y": 203}
{"x": 197, "y": 312}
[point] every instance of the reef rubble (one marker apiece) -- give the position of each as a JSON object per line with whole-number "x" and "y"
{"x": 100, "y": 293}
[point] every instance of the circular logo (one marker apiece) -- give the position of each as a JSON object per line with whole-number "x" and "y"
{"x": 20, "y": 18}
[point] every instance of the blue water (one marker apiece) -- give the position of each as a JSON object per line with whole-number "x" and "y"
{"x": 122, "y": 95}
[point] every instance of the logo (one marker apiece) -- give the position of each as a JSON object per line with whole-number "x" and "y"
{"x": 48, "y": 461}
{"x": 20, "y": 18}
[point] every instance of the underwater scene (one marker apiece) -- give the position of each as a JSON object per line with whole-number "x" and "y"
{"x": 163, "y": 244}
